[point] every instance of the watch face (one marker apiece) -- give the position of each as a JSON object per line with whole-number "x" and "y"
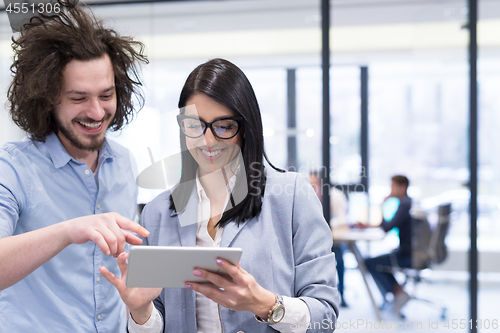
{"x": 278, "y": 314}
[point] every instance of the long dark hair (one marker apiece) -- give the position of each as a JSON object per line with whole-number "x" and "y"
{"x": 226, "y": 84}
{"x": 46, "y": 45}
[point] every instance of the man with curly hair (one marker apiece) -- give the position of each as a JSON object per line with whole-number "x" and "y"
{"x": 67, "y": 194}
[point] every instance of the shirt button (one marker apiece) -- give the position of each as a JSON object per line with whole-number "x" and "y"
{"x": 98, "y": 317}
{"x": 87, "y": 172}
{"x": 98, "y": 279}
{"x": 98, "y": 206}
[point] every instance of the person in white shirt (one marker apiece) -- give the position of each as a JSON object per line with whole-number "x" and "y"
{"x": 286, "y": 279}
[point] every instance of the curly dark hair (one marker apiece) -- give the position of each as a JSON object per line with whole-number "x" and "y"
{"x": 47, "y": 44}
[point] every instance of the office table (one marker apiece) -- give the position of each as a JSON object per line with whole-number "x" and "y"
{"x": 349, "y": 236}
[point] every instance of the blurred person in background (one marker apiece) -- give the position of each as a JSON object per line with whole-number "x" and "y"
{"x": 396, "y": 212}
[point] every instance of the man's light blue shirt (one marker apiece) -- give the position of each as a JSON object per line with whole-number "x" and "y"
{"x": 40, "y": 185}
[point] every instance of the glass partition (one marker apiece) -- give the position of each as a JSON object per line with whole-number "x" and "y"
{"x": 416, "y": 55}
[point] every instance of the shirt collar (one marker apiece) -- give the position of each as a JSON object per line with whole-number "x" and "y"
{"x": 104, "y": 153}
{"x": 60, "y": 156}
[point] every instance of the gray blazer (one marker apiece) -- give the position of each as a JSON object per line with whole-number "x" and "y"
{"x": 287, "y": 248}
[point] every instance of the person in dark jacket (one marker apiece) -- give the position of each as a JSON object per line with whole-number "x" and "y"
{"x": 378, "y": 266}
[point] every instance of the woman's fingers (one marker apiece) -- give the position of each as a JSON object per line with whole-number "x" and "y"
{"x": 233, "y": 278}
{"x": 235, "y": 272}
{"x": 219, "y": 280}
{"x": 122, "y": 264}
{"x": 209, "y": 291}
{"x": 119, "y": 283}
{"x": 237, "y": 291}
{"x": 115, "y": 281}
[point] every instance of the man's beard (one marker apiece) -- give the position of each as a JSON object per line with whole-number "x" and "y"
{"x": 96, "y": 142}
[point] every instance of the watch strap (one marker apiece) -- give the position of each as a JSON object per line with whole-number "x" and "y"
{"x": 268, "y": 320}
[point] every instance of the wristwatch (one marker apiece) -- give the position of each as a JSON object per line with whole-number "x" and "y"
{"x": 276, "y": 313}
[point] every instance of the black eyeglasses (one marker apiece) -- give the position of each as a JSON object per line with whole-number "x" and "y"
{"x": 224, "y": 128}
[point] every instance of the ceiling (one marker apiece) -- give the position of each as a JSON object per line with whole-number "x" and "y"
{"x": 344, "y": 12}
{"x": 252, "y": 28}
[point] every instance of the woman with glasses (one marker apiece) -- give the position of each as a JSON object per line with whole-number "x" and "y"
{"x": 286, "y": 279}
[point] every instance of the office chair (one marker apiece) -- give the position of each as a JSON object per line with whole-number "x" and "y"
{"x": 428, "y": 248}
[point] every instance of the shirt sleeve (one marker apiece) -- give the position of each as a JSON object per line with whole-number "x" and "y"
{"x": 297, "y": 316}
{"x": 12, "y": 196}
{"x": 153, "y": 325}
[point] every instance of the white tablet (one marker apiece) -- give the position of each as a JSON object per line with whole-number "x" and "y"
{"x": 172, "y": 266}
